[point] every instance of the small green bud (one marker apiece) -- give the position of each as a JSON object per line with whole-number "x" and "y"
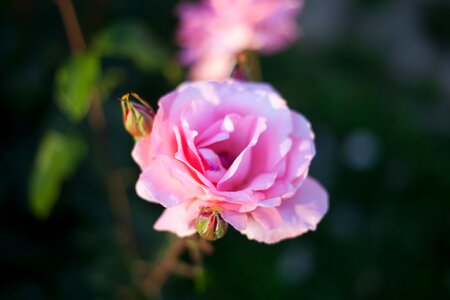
{"x": 137, "y": 118}
{"x": 210, "y": 225}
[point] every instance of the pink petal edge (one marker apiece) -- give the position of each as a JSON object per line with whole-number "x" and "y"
{"x": 293, "y": 217}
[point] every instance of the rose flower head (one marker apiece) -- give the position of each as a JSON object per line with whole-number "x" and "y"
{"x": 230, "y": 152}
{"x": 213, "y": 32}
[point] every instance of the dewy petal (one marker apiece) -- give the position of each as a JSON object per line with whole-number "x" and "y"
{"x": 293, "y": 217}
{"x": 163, "y": 182}
{"x": 179, "y": 219}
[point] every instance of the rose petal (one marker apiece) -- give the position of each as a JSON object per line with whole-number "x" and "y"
{"x": 302, "y": 152}
{"x": 217, "y": 132}
{"x": 235, "y": 219}
{"x": 212, "y": 165}
{"x": 293, "y": 217}
{"x": 261, "y": 182}
{"x": 302, "y": 127}
{"x": 179, "y": 219}
{"x": 249, "y": 195}
{"x": 269, "y": 217}
{"x": 274, "y": 143}
{"x": 161, "y": 142}
{"x": 189, "y": 149}
{"x": 142, "y": 152}
{"x": 181, "y": 156}
{"x": 270, "y": 202}
{"x": 297, "y": 161}
{"x": 195, "y": 102}
{"x": 166, "y": 181}
{"x": 239, "y": 169}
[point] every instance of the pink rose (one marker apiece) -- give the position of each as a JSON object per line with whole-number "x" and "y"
{"x": 236, "y": 148}
{"x": 213, "y": 32}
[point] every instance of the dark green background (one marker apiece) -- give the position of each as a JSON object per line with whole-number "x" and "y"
{"x": 373, "y": 77}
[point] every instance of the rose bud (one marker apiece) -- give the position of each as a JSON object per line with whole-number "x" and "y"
{"x": 137, "y": 118}
{"x": 210, "y": 224}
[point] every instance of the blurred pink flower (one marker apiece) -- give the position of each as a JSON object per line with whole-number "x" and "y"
{"x": 213, "y": 32}
{"x": 235, "y": 148}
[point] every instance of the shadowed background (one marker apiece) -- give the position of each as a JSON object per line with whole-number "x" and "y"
{"x": 372, "y": 76}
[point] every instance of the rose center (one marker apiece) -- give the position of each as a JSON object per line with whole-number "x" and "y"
{"x": 225, "y": 159}
{"x": 223, "y": 162}
{"x": 215, "y": 165}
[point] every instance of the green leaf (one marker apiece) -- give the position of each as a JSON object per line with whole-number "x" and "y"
{"x": 55, "y": 161}
{"x": 130, "y": 40}
{"x": 75, "y": 82}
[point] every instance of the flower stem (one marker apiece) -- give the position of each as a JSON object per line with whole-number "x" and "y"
{"x": 113, "y": 179}
{"x": 71, "y": 25}
{"x": 149, "y": 280}
{"x": 248, "y": 61}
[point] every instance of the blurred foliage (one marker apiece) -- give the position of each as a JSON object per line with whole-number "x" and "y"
{"x": 372, "y": 76}
{"x": 75, "y": 83}
{"x": 56, "y": 160}
{"x": 131, "y": 41}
